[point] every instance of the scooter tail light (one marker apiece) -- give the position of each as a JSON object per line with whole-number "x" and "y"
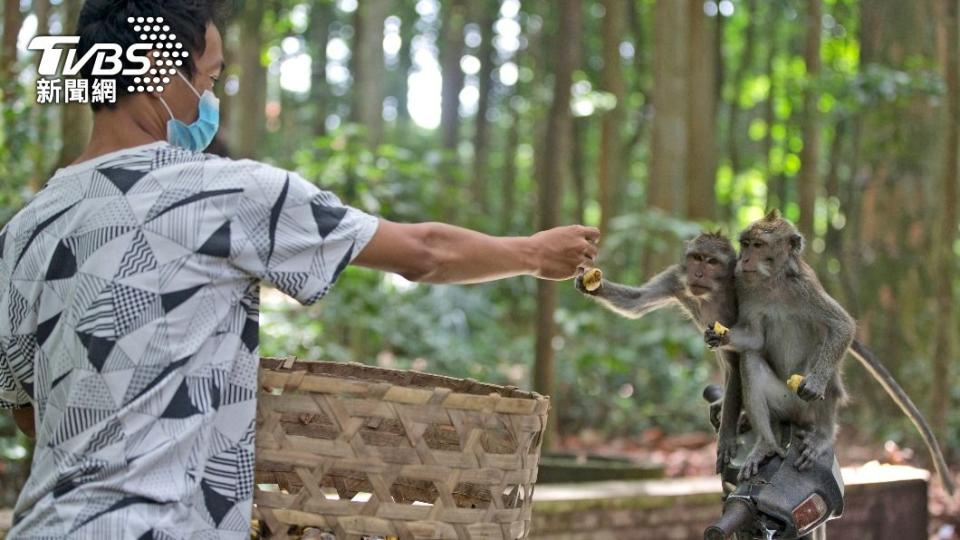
{"x": 809, "y": 512}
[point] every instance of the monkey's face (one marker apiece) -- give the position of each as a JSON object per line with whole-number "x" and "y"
{"x": 766, "y": 249}
{"x": 707, "y": 264}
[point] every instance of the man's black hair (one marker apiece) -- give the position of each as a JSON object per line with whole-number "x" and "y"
{"x": 105, "y": 21}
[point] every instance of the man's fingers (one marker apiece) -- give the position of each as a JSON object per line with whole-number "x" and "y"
{"x": 591, "y": 233}
{"x": 591, "y": 251}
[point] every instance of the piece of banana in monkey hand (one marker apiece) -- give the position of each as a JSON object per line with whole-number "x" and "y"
{"x": 793, "y": 383}
{"x": 592, "y": 279}
{"x": 720, "y": 329}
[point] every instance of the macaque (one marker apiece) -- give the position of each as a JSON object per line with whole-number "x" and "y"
{"x": 702, "y": 285}
{"x": 788, "y": 325}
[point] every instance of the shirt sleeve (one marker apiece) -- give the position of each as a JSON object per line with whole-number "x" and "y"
{"x": 294, "y": 236}
{"x": 13, "y": 395}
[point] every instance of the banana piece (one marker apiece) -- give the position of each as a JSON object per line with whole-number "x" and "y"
{"x": 592, "y": 279}
{"x": 720, "y": 329}
{"x": 793, "y": 383}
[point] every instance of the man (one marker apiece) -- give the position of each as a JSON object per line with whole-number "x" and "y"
{"x": 129, "y": 292}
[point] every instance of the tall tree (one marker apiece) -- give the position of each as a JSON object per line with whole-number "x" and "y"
{"x": 945, "y": 265}
{"x": 671, "y": 91}
{"x": 702, "y": 168}
{"x": 481, "y": 133}
{"x": 739, "y": 76}
{"x": 252, "y": 93}
{"x": 76, "y": 119}
{"x": 809, "y": 179}
{"x": 552, "y": 170}
{"x": 451, "y": 51}
{"x": 367, "y": 66}
{"x": 321, "y": 15}
{"x": 12, "y": 20}
{"x": 41, "y": 115}
{"x": 611, "y": 123}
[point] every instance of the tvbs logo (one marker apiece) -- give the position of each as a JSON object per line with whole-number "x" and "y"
{"x": 107, "y": 61}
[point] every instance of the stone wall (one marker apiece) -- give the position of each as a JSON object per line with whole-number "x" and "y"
{"x": 882, "y": 503}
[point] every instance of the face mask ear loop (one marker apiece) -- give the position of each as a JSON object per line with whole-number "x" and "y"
{"x": 167, "y": 107}
{"x": 192, "y": 89}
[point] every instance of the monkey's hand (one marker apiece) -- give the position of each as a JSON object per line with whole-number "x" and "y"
{"x": 813, "y": 386}
{"x": 582, "y": 287}
{"x": 714, "y": 339}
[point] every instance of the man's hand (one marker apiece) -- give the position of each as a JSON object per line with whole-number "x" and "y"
{"x": 563, "y": 252}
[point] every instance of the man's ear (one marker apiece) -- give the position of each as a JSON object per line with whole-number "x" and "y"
{"x": 796, "y": 243}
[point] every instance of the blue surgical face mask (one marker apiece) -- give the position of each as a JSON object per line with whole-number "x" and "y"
{"x": 198, "y": 135}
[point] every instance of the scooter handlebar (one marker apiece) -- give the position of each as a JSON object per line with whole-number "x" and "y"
{"x": 736, "y": 515}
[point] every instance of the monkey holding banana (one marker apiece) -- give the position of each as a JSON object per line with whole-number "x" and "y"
{"x": 702, "y": 285}
{"x": 787, "y": 326}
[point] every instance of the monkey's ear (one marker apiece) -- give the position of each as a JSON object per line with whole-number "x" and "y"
{"x": 796, "y": 242}
{"x": 772, "y": 215}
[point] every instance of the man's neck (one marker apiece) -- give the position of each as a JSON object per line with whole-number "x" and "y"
{"x": 116, "y": 129}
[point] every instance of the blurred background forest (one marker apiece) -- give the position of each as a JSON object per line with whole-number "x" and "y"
{"x": 652, "y": 119}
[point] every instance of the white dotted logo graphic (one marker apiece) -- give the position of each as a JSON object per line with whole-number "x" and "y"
{"x": 167, "y": 53}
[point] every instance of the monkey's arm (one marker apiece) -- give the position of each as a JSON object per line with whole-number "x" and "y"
{"x": 741, "y": 337}
{"x": 839, "y": 328}
{"x": 635, "y": 302}
{"x": 879, "y": 372}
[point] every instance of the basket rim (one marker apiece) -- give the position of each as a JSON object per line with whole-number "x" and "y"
{"x": 355, "y": 371}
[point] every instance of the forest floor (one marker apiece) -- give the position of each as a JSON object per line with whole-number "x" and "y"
{"x": 694, "y": 454}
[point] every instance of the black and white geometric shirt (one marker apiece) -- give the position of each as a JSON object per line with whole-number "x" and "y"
{"x": 129, "y": 301}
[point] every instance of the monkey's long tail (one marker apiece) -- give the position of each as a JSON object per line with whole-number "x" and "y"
{"x": 886, "y": 380}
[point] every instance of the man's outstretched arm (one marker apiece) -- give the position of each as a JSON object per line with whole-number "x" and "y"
{"x": 440, "y": 253}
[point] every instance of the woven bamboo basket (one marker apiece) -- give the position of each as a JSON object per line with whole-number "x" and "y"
{"x": 364, "y": 452}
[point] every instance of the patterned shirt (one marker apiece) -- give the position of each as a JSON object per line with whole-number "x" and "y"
{"x": 129, "y": 294}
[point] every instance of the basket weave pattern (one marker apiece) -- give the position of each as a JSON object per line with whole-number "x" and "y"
{"x": 362, "y": 451}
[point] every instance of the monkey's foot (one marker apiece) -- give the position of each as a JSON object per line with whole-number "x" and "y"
{"x": 761, "y": 451}
{"x": 726, "y": 450}
{"x": 813, "y": 446}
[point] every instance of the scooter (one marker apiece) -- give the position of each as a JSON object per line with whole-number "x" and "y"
{"x": 779, "y": 502}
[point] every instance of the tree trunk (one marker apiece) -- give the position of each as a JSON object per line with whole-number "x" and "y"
{"x": 668, "y": 157}
{"x": 41, "y": 115}
{"x": 611, "y": 123}
{"x": 947, "y": 230}
{"x": 367, "y": 67}
{"x": 774, "y": 199}
{"x": 76, "y": 119}
{"x": 481, "y": 133}
{"x": 251, "y": 97}
{"x": 809, "y": 179}
{"x": 451, "y": 51}
{"x": 321, "y": 14}
{"x": 702, "y": 168}
{"x": 746, "y": 60}
{"x": 9, "y": 86}
{"x": 578, "y": 168}
{"x": 553, "y": 168}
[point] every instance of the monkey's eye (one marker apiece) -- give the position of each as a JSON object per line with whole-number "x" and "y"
{"x": 713, "y": 261}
